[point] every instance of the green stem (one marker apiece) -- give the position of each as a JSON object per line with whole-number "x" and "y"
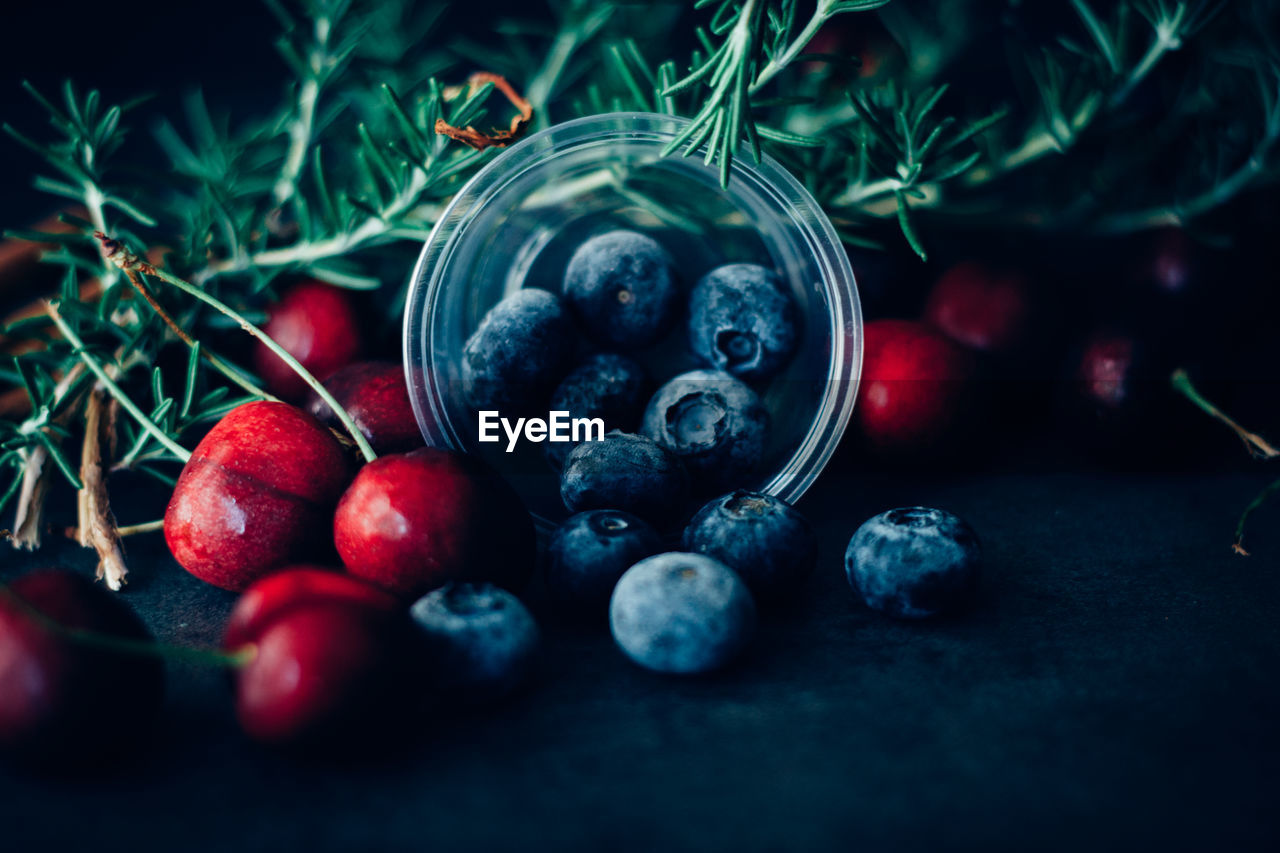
{"x": 146, "y": 527}
{"x": 129, "y": 406}
{"x": 1253, "y": 506}
{"x": 191, "y": 290}
{"x": 1256, "y": 444}
{"x": 124, "y": 645}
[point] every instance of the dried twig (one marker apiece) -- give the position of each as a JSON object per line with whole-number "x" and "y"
{"x": 494, "y": 138}
{"x": 97, "y": 528}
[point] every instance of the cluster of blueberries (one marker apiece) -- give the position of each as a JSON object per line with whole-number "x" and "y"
{"x": 702, "y": 432}
{"x": 694, "y": 610}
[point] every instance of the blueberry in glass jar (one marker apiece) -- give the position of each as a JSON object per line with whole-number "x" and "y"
{"x": 762, "y": 538}
{"x": 914, "y": 562}
{"x": 681, "y": 613}
{"x": 626, "y": 472}
{"x": 743, "y": 320}
{"x": 606, "y": 386}
{"x": 621, "y": 289}
{"x": 714, "y": 422}
{"x": 481, "y": 639}
{"x": 589, "y": 553}
{"x": 519, "y": 351}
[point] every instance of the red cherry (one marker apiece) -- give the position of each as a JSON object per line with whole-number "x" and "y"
{"x": 254, "y": 493}
{"x": 315, "y": 323}
{"x": 266, "y": 599}
{"x": 333, "y": 670}
{"x": 68, "y": 699}
{"x": 412, "y": 522}
{"x": 915, "y": 385}
{"x": 980, "y": 307}
{"x": 374, "y": 393}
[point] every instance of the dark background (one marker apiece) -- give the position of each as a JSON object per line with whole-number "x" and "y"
{"x": 1115, "y": 687}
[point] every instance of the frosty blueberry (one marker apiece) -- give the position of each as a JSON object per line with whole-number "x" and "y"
{"x": 620, "y": 287}
{"x": 743, "y": 320}
{"x": 681, "y": 613}
{"x": 914, "y": 562}
{"x": 715, "y": 423}
{"x": 626, "y": 472}
{"x": 606, "y": 386}
{"x": 482, "y": 639}
{"x": 518, "y": 352}
{"x": 589, "y": 552}
{"x": 762, "y": 538}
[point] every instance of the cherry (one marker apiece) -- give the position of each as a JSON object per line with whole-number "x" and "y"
{"x": 374, "y": 393}
{"x": 916, "y": 385}
{"x": 981, "y": 307}
{"x": 1119, "y": 404}
{"x": 267, "y": 598}
{"x": 412, "y": 522}
{"x": 254, "y": 492}
{"x": 72, "y": 699}
{"x": 318, "y": 325}
{"x": 325, "y": 670}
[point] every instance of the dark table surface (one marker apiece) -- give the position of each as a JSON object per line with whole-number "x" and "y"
{"x": 1117, "y": 685}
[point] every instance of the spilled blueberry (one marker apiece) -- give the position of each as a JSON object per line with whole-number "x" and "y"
{"x": 620, "y": 286}
{"x": 715, "y": 423}
{"x": 481, "y": 640}
{"x": 761, "y": 537}
{"x": 606, "y": 386}
{"x": 743, "y": 320}
{"x": 626, "y": 472}
{"x": 519, "y": 351}
{"x": 589, "y": 552}
{"x": 681, "y": 613}
{"x": 914, "y": 562}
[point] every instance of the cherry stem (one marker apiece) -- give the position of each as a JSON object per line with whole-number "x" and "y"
{"x": 144, "y": 648}
{"x": 51, "y": 308}
{"x": 1256, "y": 444}
{"x": 215, "y": 361}
{"x": 128, "y": 261}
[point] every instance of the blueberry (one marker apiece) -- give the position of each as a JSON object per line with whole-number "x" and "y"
{"x": 521, "y": 347}
{"x": 626, "y": 472}
{"x": 605, "y": 386}
{"x": 620, "y": 287}
{"x": 762, "y": 538}
{"x": 683, "y": 613}
{"x": 712, "y": 421}
{"x": 914, "y": 562}
{"x": 587, "y": 555}
{"x": 743, "y": 320}
{"x": 481, "y": 638}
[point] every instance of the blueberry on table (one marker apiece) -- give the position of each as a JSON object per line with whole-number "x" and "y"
{"x": 743, "y": 320}
{"x": 621, "y": 288}
{"x": 589, "y": 552}
{"x": 482, "y": 640}
{"x": 914, "y": 562}
{"x": 681, "y": 613}
{"x": 606, "y": 386}
{"x": 762, "y": 538}
{"x": 626, "y": 472}
{"x": 715, "y": 423}
{"x": 519, "y": 351}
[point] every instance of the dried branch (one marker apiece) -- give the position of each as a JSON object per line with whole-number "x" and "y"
{"x": 97, "y": 525}
{"x": 494, "y": 138}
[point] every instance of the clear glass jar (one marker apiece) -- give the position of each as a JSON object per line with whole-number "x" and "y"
{"x": 516, "y": 223}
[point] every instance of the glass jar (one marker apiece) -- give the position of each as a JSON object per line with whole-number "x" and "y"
{"x": 516, "y": 223}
